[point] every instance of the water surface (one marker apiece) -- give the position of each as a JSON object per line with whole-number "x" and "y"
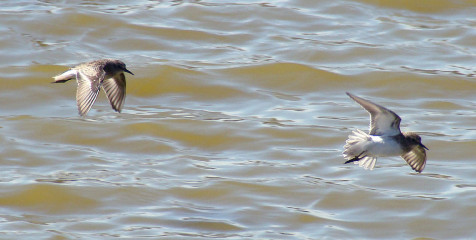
{"x": 235, "y": 119}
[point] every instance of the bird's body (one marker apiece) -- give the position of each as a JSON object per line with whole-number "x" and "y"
{"x": 92, "y": 76}
{"x": 384, "y": 139}
{"x": 381, "y": 146}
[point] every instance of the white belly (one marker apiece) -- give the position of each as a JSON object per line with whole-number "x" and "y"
{"x": 383, "y": 146}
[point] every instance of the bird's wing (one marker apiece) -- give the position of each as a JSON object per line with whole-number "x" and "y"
{"x": 115, "y": 89}
{"x": 416, "y": 158}
{"x": 88, "y": 90}
{"x": 383, "y": 122}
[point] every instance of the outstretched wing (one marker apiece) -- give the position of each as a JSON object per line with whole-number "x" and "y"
{"x": 383, "y": 122}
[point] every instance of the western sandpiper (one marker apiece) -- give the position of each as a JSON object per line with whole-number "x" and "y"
{"x": 384, "y": 139}
{"x": 91, "y": 76}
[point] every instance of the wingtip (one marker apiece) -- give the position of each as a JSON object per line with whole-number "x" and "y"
{"x": 351, "y": 95}
{"x": 84, "y": 111}
{"x": 419, "y": 170}
{"x": 422, "y": 167}
{"x": 82, "y": 114}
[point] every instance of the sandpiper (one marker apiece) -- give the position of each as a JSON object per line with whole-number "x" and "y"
{"x": 384, "y": 139}
{"x": 91, "y": 76}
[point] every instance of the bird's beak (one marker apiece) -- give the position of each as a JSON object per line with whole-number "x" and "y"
{"x": 127, "y": 71}
{"x": 421, "y": 144}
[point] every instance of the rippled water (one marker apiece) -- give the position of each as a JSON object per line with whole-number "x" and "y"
{"x": 235, "y": 119}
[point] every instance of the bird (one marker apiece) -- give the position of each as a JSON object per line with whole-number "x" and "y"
{"x": 107, "y": 74}
{"x": 384, "y": 139}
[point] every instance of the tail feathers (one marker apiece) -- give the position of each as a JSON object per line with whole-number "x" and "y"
{"x": 354, "y": 150}
{"x": 66, "y": 76}
{"x": 356, "y": 144}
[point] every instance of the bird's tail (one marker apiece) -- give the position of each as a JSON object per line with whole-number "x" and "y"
{"x": 355, "y": 150}
{"x": 66, "y": 76}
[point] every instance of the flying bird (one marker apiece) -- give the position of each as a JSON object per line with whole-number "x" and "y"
{"x": 384, "y": 139}
{"x": 92, "y": 76}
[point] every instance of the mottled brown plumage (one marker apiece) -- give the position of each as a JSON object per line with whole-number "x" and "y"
{"x": 91, "y": 76}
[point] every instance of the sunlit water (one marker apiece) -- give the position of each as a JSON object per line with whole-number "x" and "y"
{"x": 235, "y": 119}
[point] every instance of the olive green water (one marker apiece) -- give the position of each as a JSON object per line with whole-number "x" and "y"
{"x": 235, "y": 119}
